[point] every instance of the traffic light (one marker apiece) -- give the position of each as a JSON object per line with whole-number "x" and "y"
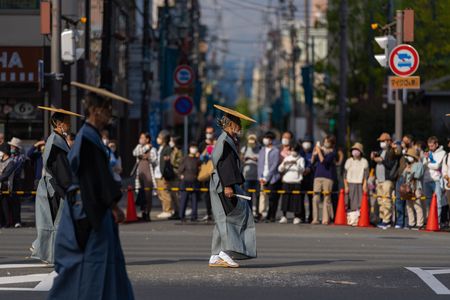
{"x": 69, "y": 40}
{"x": 387, "y": 43}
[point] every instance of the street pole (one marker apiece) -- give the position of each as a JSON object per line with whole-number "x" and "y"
{"x": 145, "y": 67}
{"x": 105, "y": 67}
{"x": 342, "y": 124}
{"x": 56, "y": 76}
{"x": 310, "y": 106}
{"x": 186, "y": 126}
{"x": 398, "y": 98}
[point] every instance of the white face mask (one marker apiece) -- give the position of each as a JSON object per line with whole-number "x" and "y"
{"x": 356, "y": 153}
{"x": 306, "y": 146}
{"x": 209, "y": 136}
{"x": 410, "y": 159}
{"x": 171, "y": 144}
{"x": 383, "y": 145}
{"x": 285, "y": 142}
{"x": 193, "y": 150}
{"x": 266, "y": 141}
{"x": 404, "y": 151}
{"x": 105, "y": 142}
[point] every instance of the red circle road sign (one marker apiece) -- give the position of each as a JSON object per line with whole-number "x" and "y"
{"x": 404, "y": 60}
{"x": 183, "y": 75}
{"x": 183, "y": 105}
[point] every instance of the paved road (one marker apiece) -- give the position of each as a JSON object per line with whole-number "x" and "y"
{"x": 168, "y": 261}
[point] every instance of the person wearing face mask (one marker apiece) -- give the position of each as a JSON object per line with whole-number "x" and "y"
{"x": 292, "y": 169}
{"x": 234, "y": 235}
{"x": 286, "y": 141}
{"x": 249, "y": 156}
{"x": 7, "y": 168}
{"x": 308, "y": 179}
{"x": 19, "y": 159}
{"x": 387, "y": 162}
{"x": 400, "y": 204}
{"x": 432, "y": 177}
{"x": 206, "y": 148}
{"x": 325, "y": 160}
{"x": 34, "y": 155}
{"x": 115, "y": 161}
{"x": 165, "y": 175}
{"x": 269, "y": 177}
{"x": 188, "y": 173}
{"x": 356, "y": 172}
{"x": 89, "y": 260}
{"x": 446, "y": 184}
{"x": 413, "y": 174}
{"x": 52, "y": 187}
{"x": 146, "y": 157}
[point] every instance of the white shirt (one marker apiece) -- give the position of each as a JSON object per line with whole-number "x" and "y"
{"x": 266, "y": 163}
{"x": 446, "y": 169}
{"x": 158, "y": 174}
{"x": 433, "y": 168}
{"x": 293, "y": 168}
{"x": 356, "y": 169}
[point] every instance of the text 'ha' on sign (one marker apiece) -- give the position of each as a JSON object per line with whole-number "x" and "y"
{"x": 404, "y": 60}
{"x": 410, "y": 83}
{"x": 183, "y": 75}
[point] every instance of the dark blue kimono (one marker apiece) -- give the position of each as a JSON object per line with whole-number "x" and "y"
{"x": 88, "y": 255}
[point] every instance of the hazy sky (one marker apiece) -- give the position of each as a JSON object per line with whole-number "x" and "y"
{"x": 244, "y": 24}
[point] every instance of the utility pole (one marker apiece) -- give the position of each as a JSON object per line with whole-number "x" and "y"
{"x": 56, "y": 75}
{"x": 145, "y": 67}
{"x": 294, "y": 57}
{"x": 342, "y": 124}
{"x": 398, "y": 98}
{"x": 105, "y": 68}
{"x": 310, "y": 106}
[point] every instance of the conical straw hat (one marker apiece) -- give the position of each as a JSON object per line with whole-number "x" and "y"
{"x": 60, "y": 110}
{"x": 234, "y": 113}
{"x": 100, "y": 91}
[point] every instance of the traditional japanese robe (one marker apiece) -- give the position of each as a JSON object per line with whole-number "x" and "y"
{"x": 234, "y": 232}
{"x": 55, "y": 180}
{"x": 88, "y": 255}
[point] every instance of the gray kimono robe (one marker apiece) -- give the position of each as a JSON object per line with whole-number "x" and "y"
{"x": 46, "y": 219}
{"x": 234, "y": 232}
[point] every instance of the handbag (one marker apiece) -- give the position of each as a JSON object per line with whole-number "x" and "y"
{"x": 406, "y": 191}
{"x": 206, "y": 169}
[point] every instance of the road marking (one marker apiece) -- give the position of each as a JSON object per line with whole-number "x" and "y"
{"x": 23, "y": 266}
{"x": 428, "y": 277}
{"x": 44, "y": 280}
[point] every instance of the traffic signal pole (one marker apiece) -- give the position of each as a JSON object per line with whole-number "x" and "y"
{"x": 56, "y": 76}
{"x": 398, "y": 98}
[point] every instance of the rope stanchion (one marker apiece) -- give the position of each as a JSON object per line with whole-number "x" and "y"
{"x": 202, "y": 190}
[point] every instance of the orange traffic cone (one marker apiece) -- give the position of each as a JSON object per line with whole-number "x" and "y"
{"x": 433, "y": 223}
{"x": 341, "y": 214}
{"x": 364, "y": 212}
{"x": 131, "y": 207}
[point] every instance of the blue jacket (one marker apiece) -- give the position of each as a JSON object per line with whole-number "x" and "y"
{"x": 274, "y": 161}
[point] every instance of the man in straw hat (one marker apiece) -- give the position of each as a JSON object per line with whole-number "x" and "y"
{"x": 55, "y": 180}
{"x": 234, "y": 233}
{"x": 88, "y": 255}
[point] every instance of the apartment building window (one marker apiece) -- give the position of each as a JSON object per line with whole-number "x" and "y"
{"x": 19, "y": 4}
